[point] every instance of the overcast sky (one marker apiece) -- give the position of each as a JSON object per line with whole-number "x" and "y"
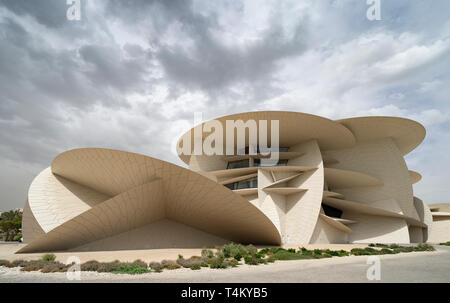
{"x": 130, "y": 74}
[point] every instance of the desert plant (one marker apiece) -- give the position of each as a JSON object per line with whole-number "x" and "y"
{"x": 196, "y": 266}
{"x": 218, "y": 262}
{"x": 129, "y": 268}
{"x": 31, "y": 267}
{"x": 424, "y": 247}
{"x": 156, "y": 266}
{"x": 90, "y": 266}
{"x": 140, "y": 263}
{"x": 187, "y": 263}
{"x": 48, "y": 257}
{"x": 207, "y": 253}
{"x": 169, "y": 264}
{"x": 54, "y": 267}
{"x": 445, "y": 243}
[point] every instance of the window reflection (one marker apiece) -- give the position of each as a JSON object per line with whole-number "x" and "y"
{"x": 248, "y": 183}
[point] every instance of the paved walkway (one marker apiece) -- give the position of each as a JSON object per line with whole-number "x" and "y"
{"x": 405, "y": 267}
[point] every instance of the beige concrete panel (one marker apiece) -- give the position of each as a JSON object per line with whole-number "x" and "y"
{"x": 302, "y": 210}
{"x": 440, "y": 230}
{"x": 436, "y": 214}
{"x": 336, "y": 223}
{"x": 194, "y": 200}
{"x": 414, "y": 176}
{"x": 190, "y": 198}
{"x": 415, "y": 234}
{"x": 340, "y": 179}
{"x": 357, "y": 207}
{"x": 407, "y": 134}
{"x": 105, "y": 170}
{"x": 382, "y": 160}
{"x": 331, "y": 194}
{"x": 440, "y": 207}
{"x": 134, "y": 208}
{"x": 285, "y": 191}
{"x": 54, "y": 200}
{"x": 30, "y": 227}
{"x": 207, "y": 163}
{"x": 246, "y": 191}
{"x": 377, "y": 229}
{"x": 295, "y": 128}
{"x": 163, "y": 233}
{"x": 236, "y": 179}
{"x": 326, "y": 233}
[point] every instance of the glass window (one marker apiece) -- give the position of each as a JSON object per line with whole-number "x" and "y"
{"x": 238, "y": 164}
{"x": 281, "y": 162}
{"x": 248, "y": 183}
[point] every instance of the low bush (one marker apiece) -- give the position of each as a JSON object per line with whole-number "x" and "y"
{"x": 156, "y": 266}
{"x": 196, "y": 267}
{"x": 54, "y": 267}
{"x": 445, "y": 243}
{"x": 32, "y": 267}
{"x": 129, "y": 268}
{"x": 17, "y": 237}
{"x": 218, "y": 263}
{"x": 90, "y": 266}
{"x": 140, "y": 263}
{"x": 393, "y": 246}
{"x": 170, "y": 265}
{"x": 48, "y": 257}
{"x": 232, "y": 262}
{"x": 188, "y": 263}
{"x": 207, "y": 253}
{"x": 424, "y": 247}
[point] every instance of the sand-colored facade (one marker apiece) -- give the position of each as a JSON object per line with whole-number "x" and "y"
{"x": 340, "y": 181}
{"x": 440, "y": 230}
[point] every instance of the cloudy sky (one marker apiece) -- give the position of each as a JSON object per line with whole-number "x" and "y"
{"x": 130, "y": 74}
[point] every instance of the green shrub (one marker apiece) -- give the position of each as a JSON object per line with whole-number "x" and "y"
{"x": 196, "y": 267}
{"x": 218, "y": 262}
{"x": 286, "y": 255}
{"x": 445, "y": 243}
{"x": 156, "y": 266}
{"x": 424, "y": 247}
{"x": 393, "y": 246}
{"x": 232, "y": 263}
{"x": 404, "y": 249}
{"x": 180, "y": 256}
{"x": 207, "y": 253}
{"x": 237, "y": 257}
{"x": 371, "y": 245}
{"x": 140, "y": 263}
{"x": 271, "y": 258}
{"x": 48, "y": 257}
{"x": 129, "y": 268}
{"x": 387, "y": 251}
{"x": 382, "y": 245}
{"x": 17, "y": 237}
{"x": 170, "y": 264}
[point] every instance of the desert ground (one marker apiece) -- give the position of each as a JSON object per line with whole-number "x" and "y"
{"x": 405, "y": 267}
